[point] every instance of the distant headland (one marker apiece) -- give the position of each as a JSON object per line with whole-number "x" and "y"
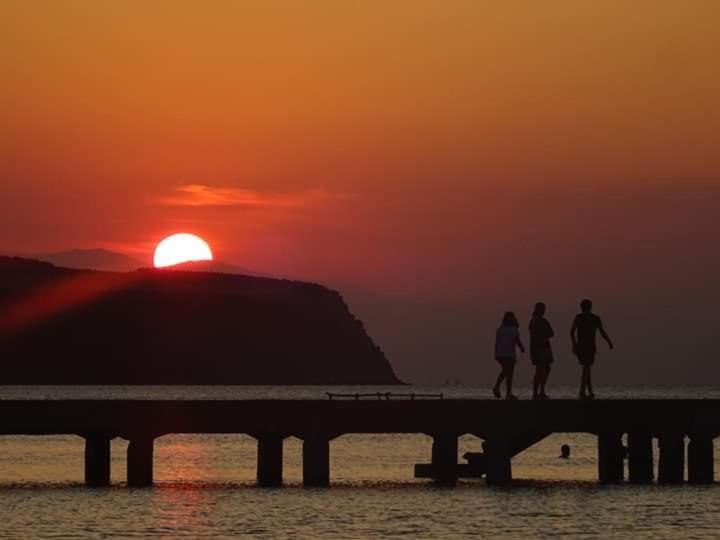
{"x": 66, "y": 326}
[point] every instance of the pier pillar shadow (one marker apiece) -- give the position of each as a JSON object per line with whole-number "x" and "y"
{"x": 97, "y": 460}
{"x": 640, "y": 457}
{"x": 270, "y": 459}
{"x": 671, "y": 463}
{"x": 701, "y": 465}
{"x": 611, "y": 461}
{"x": 140, "y": 461}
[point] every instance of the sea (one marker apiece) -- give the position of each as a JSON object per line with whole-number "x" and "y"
{"x": 205, "y": 484}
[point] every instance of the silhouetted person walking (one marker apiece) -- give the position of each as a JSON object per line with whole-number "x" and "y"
{"x": 541, "y": 354}
{"x": 583, "y": 333}
{"x": 507, "y": 339}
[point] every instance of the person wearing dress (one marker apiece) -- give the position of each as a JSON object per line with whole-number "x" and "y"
{"x": 507, "y": 341}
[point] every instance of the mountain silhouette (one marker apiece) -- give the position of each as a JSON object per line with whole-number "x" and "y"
{"x": 93, "y": 259}
{"x": 219, "y": 267}
{"x": 111, "y": 261}
{"x": 66, "y": 326}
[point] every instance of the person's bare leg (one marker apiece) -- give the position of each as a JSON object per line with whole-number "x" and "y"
{"x": 500, "y": 379}
{"x": 536, "y": 381}
{"x": 589, "y": 382}
{"x": 544, "y": 379}
{"x": 583, "y": 382}
{"x": 509, "y": 380}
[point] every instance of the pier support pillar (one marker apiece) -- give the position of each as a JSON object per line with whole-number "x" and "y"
{"x": 499, "y": 466}
{"x": 140, "y": 462}
{"x": 640, "y": 457}
{"x": 270, "y": 460}
{"x": 316, "y": 461}
{"x": 671, "y": 464}
{"x": 701, "y": 466}
{"x": 445, "y": 457}
{"x": 611, "y": 461}
{"x": 97, "y": 460}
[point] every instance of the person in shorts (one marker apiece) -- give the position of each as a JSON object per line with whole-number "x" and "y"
{"x": 584, "y": 333}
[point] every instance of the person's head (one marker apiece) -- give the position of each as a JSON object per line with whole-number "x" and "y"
{"x": 565, "y": 451}
{"x": 509, "y": 319}
{"x": 586, "y": 306}
{"x": 540, "y": 309}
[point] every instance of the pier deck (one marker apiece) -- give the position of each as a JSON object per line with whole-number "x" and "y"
{"x": 508, "y": 427}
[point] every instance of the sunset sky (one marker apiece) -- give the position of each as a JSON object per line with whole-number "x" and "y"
{"x": 477, "y": 155}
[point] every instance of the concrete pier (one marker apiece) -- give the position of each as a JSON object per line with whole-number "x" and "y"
{"x": 270, "y": 460}
{"x": 508, "y": 428}
{"x": 671, "y": 462}
{"x": 140, "y": 461}
{"x": 640, "y": 457}
{"x": 611, "y": 459}
{"x": 316, "y": 461}
{"x": 701, "y": 464}
{"x": 97, "y": 460}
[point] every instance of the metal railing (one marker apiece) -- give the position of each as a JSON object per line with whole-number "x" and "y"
{"x": 387, "y": 396}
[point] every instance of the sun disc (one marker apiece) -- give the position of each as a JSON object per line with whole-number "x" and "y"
{"x": 181, "y": 248}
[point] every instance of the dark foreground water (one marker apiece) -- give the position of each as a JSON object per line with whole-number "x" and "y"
{"x": 205, "y": 484}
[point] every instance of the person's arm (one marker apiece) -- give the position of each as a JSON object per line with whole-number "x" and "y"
{"x": 519, "y": 343}
{"x": 550, "y": 331}
{"x": 604, "y": 334}
{"x": 573, "y": 332}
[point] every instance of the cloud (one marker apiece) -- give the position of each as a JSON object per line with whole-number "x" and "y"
{"x": 199, "y": 195}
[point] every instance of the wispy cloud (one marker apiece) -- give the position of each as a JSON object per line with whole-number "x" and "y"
{"x": 197, "y": 195}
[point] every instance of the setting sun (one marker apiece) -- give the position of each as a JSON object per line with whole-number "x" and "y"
{"x": 180, "y": 248}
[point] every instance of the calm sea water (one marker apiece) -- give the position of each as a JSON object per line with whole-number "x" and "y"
{"x": 205, "y": 484}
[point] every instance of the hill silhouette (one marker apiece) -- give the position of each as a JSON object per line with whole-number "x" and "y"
{"x": 94, "y": 259}
{"x": 65, "y": 326}
{"x": 112, "y": 261}
{"x": 219, "y": 267}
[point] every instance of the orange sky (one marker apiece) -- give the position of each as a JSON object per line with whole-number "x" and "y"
{"x": 377, "y": 143}
{"x": 438, "y": 161}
